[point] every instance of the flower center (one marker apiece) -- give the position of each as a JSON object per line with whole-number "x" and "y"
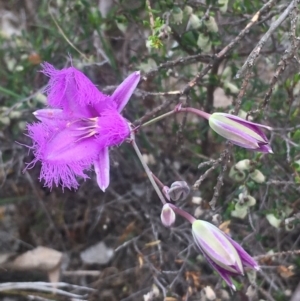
{"x": 84, "y": 127}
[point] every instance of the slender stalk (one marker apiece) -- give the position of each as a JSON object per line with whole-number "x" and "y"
{"x": 157, "y": 181}
{"x": 146, "y": 168}
{"x": 175, "y": 111}
{"x": 195, "y": 111}
{"x": 158, "y": 118}
{"x": 183, "y": 213}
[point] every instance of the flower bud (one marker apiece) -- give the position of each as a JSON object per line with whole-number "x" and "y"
{"x": 194, "y": 22}
{"x": 225, "y": 255}
{"x": 179, "y": 190}
{"x": 204, "y": 43}
{"x": 177, "y": 15}
{"x": 188, "y": 10}
{"x": 240, "y": 131}
{"x": 211, "y": 24}
{"x": 239, "y": 213}
{"x": 167, "y": 216}
{"x": 223, "y": 5}
{"x": 288, "y": 224}
{"x": 273, "y": 220}
{"x": 236, "y": 175}
{"x": 243, "y": 164}
{"x": 257, "y": 176}
{"x": 247, "y": 200}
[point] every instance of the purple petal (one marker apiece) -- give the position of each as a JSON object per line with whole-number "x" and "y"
{"x": 241, "y": 120}
{"x": 101, "y": 165}
{"x": 222, "y": 253}
{"x": 50, "y": 115}
{"x": 72, "y": 91}
{"x": 124, "y": 91}
{"x": 222, "y": 272}
{"x": 265, "y": 148}
{"x": 255, "y": 127}
{"x": 247, "y": 260}
{"x": 167, "y": 215}
{"x": 63, "y": 157}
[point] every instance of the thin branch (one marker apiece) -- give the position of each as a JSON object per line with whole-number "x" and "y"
{"x": 256, "y": 51}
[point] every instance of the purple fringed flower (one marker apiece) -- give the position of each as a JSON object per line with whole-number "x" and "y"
{"x": 240, "y": 131}
{"x": 78, "y": 127}
{"x": 226, "y": 256}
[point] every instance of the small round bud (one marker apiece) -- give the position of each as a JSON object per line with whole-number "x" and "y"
{"x": 239, "y": 213}
{"x": 188, "y": 10}
{"x": 204, "y": 43}
{"x": 179, "y": 190}
{"x": 243, "y": 164}
{"x": 257, "y": 176}
{"x": 288, "y": 224}
{"x": 236, "y": 175}
{"x": 177, "y": 15}
{"x": 167, "y": 216}
{"x": 223, "y": 5}
{"x": 247, "y": 200}
{"x": 194, "y": 22}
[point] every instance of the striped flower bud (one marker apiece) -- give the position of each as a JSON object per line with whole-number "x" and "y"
{"x": 226, "y": 256}
{"x": 240, "y": 131}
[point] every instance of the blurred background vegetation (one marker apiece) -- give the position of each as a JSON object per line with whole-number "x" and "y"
{"x": 112, "y": 245}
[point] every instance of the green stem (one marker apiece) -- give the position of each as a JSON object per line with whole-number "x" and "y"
{"x": 146, "y": 168}
{"x": 158, "y": 118}
{"x": 178, "y": 110}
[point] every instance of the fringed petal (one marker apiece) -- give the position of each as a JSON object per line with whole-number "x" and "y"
{"x": 63, "y": 158}
{"x": 112, "y": 129}
{"x": 72, "y": 91}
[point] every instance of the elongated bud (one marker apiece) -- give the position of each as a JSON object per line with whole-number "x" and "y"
{"x": 167, "y": 216}
{"x": 225, "y": 255}
{"x": 240, "y": 131}
{"x": 179, "y": 190}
